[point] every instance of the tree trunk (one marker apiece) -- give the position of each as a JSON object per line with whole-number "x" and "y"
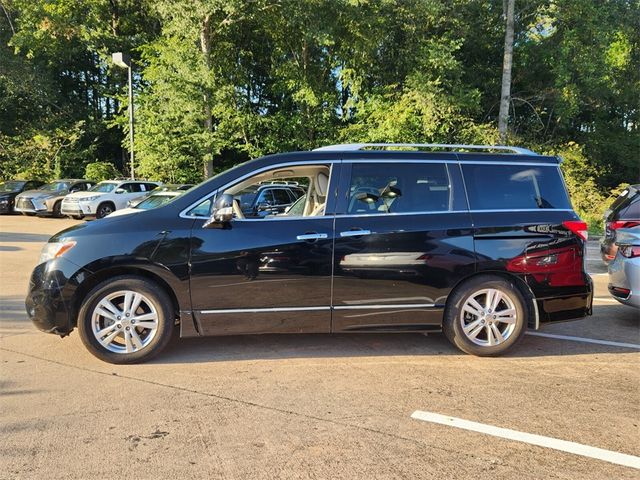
{"x": 507, "y": 63}
{"x": 205, "y": 46}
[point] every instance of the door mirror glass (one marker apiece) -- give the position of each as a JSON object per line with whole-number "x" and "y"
{"x": 221, "y": 213}
{"x": 120, "y": 190}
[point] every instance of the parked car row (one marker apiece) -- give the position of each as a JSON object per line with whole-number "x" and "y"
{"x": 79, "y": 198}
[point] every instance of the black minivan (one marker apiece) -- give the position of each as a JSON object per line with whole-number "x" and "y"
{"x": 479, "y": 242}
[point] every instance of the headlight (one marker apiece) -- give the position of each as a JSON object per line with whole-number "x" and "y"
{"x": 4, "y": 200}
{"x": 55, "y": 250}
{"x": 89, "y": 199}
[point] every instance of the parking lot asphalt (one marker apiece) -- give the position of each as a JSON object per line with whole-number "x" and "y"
{"x": 315, "y": 406}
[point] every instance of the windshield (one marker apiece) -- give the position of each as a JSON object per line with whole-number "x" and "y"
{"x": 103, "y": 187}
{"x": 10, "y": 186}
{"x": 155, "y": 201}
{"x": 55, "y": 186}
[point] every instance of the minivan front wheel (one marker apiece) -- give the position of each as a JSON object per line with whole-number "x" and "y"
{"x": 126, "y": 320}
{"x": 486, "y": 316}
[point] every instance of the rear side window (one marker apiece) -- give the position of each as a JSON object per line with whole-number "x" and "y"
{"x": 131, "y": 187}
{"x": 381, "y": 188}
{"x": 627, "y": 205}
{"x": 513, "y": 187}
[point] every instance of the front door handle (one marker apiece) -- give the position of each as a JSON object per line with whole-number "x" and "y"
{"x": 312, "y": 236}
{"x": 355, "y": 233}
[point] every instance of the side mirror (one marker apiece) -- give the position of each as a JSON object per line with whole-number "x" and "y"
{"x": 221, "y": 213}
{"x": 120, "y": 190}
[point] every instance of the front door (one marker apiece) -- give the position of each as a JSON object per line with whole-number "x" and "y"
{"x": 267, "y": 274}
{"x": 403, "y": 240}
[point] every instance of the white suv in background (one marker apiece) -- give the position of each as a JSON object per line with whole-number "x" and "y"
{"x": 104, "y": 198}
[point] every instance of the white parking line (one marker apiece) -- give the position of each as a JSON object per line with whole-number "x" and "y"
{"x": 539, "y": 440}
{"x": 606, "y": 300}
{"x": 585, "y": 340}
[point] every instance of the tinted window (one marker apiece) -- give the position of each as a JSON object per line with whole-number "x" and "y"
{"x": 399, "y": 188}
{"x": 627, "y": 205}
{"x": 132, "y": 187}
{"x": 281, "y": 196}
{"x": 502, "y": 187}
{"x": 266, "y": 197}
{"x": 11, "y": 186}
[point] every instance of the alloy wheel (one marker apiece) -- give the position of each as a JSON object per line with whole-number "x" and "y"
{"x": 488, "y": 317}
{"x": 124, "y": 321}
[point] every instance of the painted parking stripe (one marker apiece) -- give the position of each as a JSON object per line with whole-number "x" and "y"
{"x": 585, "y": 340}
{"x": 539, "y": 440}
{"x": 606, "y": 300}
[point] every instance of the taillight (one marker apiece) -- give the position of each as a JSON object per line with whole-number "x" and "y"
{"x": 622, "y": 224}
{"x": 630, "y": 251}
{"x": 578, "y": 227}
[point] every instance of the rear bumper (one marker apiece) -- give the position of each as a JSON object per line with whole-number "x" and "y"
{"x": 567, "y": 306}
{"x": 624, "y": 280}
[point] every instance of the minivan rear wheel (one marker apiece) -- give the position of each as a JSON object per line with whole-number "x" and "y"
{"x": 126, "y": 320}
{"x": 486, "y": 316}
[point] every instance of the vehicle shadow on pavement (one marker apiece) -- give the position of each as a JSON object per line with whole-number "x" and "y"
{"x": 23, "y": 237}
{"x": 270, "y": 347}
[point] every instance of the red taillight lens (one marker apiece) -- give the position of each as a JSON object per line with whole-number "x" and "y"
{"x": 622, "y": 224}
{"x": 630, "y": 251}
{"x": 578, "y": 227}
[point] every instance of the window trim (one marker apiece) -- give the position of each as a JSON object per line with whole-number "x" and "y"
{"x": 346, "y": 169}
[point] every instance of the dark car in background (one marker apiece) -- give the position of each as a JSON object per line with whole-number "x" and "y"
{"x": 10, "y": 189}
{"x": 479, "y": 244}
{"x": 47, "y": 199}
{"x": 271, "y": 198}
{"x": 624, "y": 212}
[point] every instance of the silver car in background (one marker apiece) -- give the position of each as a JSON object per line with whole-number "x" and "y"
{"x": 624, "y": 270}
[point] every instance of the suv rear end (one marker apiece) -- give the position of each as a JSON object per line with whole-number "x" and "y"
{"x": 623, "y": 213}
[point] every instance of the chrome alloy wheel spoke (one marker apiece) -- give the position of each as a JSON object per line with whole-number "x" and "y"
{"x": 125, "y": 322}
{"x": 488, "y": 317}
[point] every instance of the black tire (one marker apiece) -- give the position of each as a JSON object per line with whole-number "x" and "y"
{"x": 56, "y": 209}
{"x": 153, "y": 293}
{"x": 454, "y": 319}
{"x": 76, "y": 217}
{"x": 105, "y": 209}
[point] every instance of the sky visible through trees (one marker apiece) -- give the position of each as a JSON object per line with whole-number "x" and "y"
{"x": 218, "y": 82}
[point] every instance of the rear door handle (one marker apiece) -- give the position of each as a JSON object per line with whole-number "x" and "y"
{"x": 355, "y": 233}
{"x": 312, "y": 236}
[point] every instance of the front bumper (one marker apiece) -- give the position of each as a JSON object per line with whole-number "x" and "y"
{"x": 50, "y": 299}
{"x": 6, "y": 207}
{"x": 83, "y": 209}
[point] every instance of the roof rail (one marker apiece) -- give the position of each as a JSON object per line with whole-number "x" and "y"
{"x": 361, "y": 146}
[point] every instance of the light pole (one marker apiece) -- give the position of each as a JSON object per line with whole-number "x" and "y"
{"x": 123, "y": 60}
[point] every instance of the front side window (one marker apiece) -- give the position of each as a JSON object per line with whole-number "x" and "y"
{"x": 513, "y": 187}
{"x": 382, "y": 188}
{"x": 54, "y": 187}
{"x": 266, "y": 195}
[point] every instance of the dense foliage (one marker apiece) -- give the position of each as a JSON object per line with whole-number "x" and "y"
{"x": 221, "y": 81}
